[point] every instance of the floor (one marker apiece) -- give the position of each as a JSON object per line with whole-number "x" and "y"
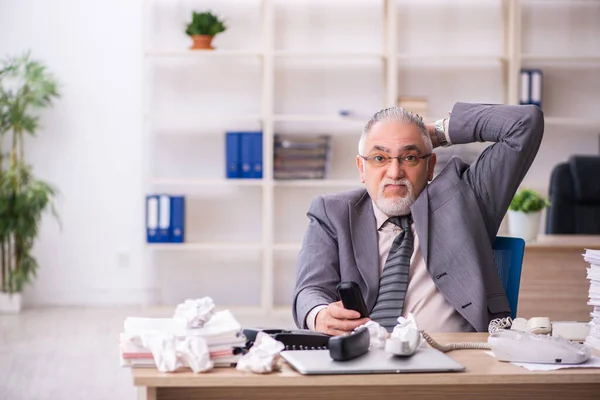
{"x": 72, "y": 353}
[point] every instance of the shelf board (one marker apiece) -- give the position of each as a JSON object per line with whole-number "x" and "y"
{"x": 318, "y": 182}
{"x": 287, "y": 246}
{"x": 560, "y": 58}
{"x": 205, "y": 182}
{"x": 329, "y": 55}
{"x": 452, "y": 58}
{"x": 182, "y": 122}
{"x": 227, "y": 246}
{"x": 319, "y": 118}
{"x": 202, "y": 53}
{"x": 573, "y": 122}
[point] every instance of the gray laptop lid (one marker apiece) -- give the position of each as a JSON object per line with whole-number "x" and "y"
{"x": 375, "y": 361}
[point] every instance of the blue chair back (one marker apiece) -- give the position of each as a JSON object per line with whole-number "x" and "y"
{"x": 508, "y": 256}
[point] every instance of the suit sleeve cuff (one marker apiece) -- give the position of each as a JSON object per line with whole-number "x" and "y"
{"x": 311, "y": 318}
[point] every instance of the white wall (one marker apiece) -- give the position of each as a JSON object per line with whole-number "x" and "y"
{"x": 91, "y": 144}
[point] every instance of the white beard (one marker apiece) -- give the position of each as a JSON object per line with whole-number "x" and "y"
{"x": 395, "y": 206}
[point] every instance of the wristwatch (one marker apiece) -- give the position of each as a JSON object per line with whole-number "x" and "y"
{"x": 440, "y": 132}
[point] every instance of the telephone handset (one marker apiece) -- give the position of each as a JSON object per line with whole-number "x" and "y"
{"x": 351, "y": 297}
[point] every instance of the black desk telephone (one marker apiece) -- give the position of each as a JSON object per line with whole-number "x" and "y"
{"x": 298, "y": 339}
{"x": 341, "y": 348}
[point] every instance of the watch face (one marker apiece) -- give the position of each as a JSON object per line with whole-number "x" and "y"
{"x": 439, "y": 126}
{"x": 440, "y": 132}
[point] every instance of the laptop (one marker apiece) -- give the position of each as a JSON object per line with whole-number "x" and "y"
{"x": 375, "y": 361}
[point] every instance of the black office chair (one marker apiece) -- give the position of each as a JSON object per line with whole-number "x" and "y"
{"x": 575, "y": 197}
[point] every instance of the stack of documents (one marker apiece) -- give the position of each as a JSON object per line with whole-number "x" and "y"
{"x": 593, "y": 274}
{"x": 222, "y": 333}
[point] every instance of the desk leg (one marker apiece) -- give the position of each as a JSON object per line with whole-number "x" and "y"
{"x": 146, "y": 393}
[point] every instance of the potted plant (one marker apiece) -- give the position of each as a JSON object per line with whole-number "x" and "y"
{"x": 203, "y": 28}
{"x": 524, "y": 214}
{"x": 25, "y": 86}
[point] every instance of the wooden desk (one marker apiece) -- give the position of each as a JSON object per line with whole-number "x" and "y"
{"x": 553, "y": 280}
{"x": 484, "y": 378}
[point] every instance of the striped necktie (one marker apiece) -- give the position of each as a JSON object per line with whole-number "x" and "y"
{"x": 394, "y": 277}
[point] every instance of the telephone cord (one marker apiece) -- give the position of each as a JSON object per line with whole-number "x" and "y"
{"x": 454, "y": 346}
{"x": 495, "y": 326}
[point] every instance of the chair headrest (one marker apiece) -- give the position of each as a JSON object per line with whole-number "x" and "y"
{"x": 585, "y": 171}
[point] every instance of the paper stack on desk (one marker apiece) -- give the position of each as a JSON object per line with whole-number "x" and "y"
{"x": 593, "y": 274}
{"x": 222, "y": 333}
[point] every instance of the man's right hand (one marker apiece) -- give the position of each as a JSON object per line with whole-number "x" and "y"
{"x": 336, "y": 320}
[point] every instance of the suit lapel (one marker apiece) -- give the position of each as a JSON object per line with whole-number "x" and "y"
{"x": 420, "y": 213}
{"x": 363, "y": 229}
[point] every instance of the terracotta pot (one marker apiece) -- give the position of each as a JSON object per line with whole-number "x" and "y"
{"x": 202, "y": 42}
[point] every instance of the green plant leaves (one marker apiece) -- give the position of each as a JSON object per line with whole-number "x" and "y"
{"x": 25, "y": 85}
{"x": 205, "y": 23}
{"x": 528, "y": 201}
{"x": 23, "y": 200}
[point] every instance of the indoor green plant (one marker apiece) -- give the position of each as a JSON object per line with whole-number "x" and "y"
{"x": 203, "y": 28}
{"x": 524, "y": 214}
{"x": 25, "y": 87}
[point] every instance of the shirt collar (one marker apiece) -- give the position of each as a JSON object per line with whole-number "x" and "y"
{"x": 380, "y": 216}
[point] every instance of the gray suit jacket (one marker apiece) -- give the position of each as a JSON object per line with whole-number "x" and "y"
{"x": 456, "y": 217}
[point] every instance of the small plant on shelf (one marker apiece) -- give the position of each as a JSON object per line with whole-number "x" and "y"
{"x": 203, "y": 28}
{"x": 528, "y": 201}
{"x": 524, "y": 214}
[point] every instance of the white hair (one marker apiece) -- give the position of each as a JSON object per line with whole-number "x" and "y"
{"x": 395, "y": 206}
{"x": 395, "y": 114}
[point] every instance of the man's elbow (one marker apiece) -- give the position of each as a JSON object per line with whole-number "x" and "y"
{"x": 534, "y": 120}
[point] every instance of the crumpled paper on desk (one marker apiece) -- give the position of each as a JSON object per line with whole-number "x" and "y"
{"x": 171, "y": 353}
{"x": 263, "y": 356}
{"x": 405, "y": 338}
{"x": 377, "y": 333}
{"x": 195, "y": 312}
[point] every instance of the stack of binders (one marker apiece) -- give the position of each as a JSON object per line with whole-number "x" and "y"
{"x": 593, "y": 274}
{"x": 301, "y": 156}
{"x": 531, "y": 87}
{"x": 165, "y": 219}
{"x": 244, "y": 155}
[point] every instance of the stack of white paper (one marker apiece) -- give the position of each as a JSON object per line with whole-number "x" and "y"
{"x": 593, "y": 274}
{"x": 222, "y": 334}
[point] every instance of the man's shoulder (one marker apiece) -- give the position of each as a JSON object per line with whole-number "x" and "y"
{"x": 352, "y": 196}
{"x": 453, "y": 170}
{"x": 451, "y": 175}
{"x": 335, "y": 202}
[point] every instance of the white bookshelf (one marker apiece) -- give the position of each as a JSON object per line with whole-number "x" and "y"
{"x": 585, "y": 123}
{"x": 204, "y": 182}
{"x": 227, "y": 246}
{"x": 567, "y": 59}
{"x": 250, "y": 231}
{"x": 318, "y": 118}
{"x": 331, "y": 55}
{"x": 202, "y": 53}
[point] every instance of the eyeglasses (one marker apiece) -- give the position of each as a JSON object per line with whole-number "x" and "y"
{"x": 383, "y": 160}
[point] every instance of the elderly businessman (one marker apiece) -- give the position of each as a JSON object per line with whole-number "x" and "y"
{"x": 413, "y": 244}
